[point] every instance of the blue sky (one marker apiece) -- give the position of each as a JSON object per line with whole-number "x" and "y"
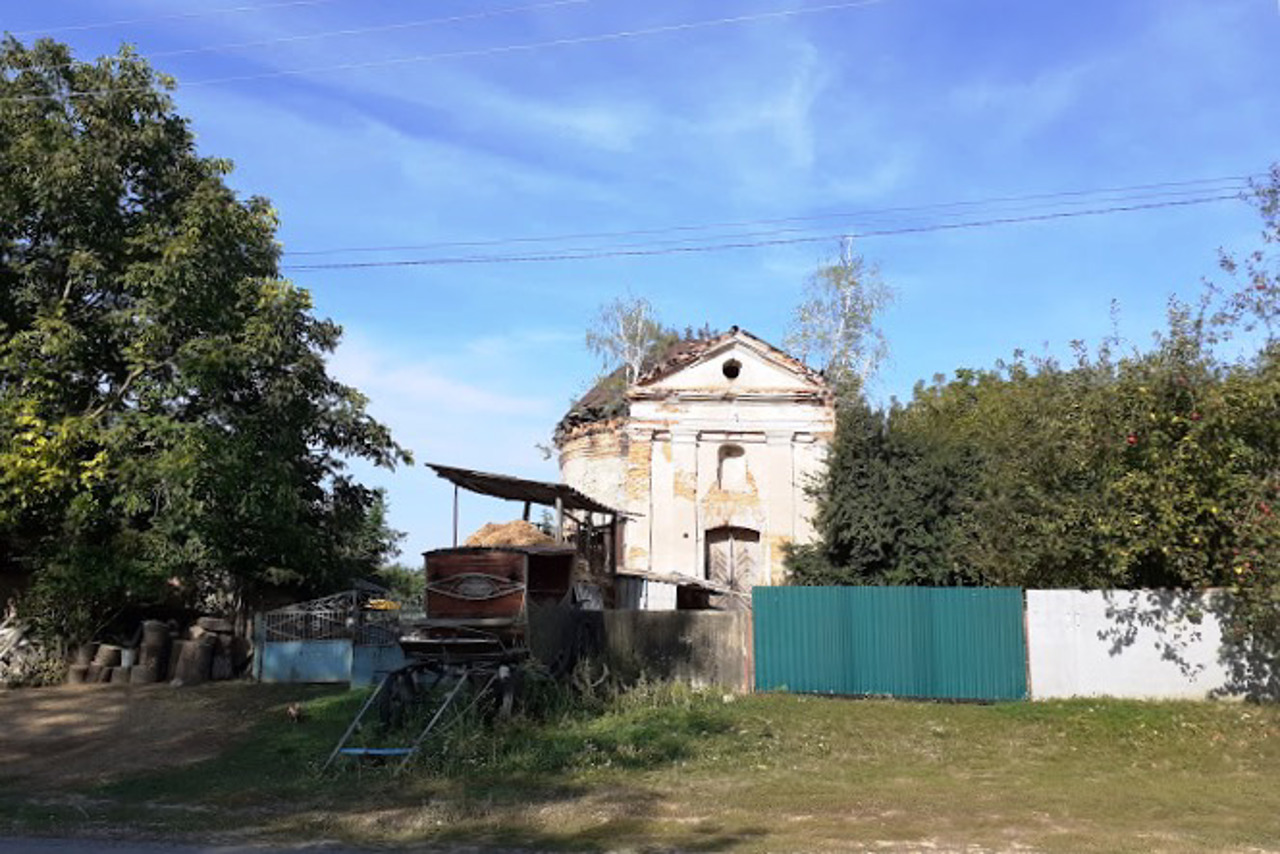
{"x": 883, "y": 105}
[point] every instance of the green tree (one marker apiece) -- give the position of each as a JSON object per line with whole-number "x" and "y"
{"x": 888, "y": 505}
{"x": 624, "y": 335}
{"x": 407, "y": 584}
{"x": 168, "y": 426}
{"x": 834, "y": 327}
{"x": 1152, "y": 468}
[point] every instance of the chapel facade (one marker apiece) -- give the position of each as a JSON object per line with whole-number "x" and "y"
{"x": 708, "y": 454}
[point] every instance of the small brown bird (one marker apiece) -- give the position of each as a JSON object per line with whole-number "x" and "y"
{"x": 296, "y": 713}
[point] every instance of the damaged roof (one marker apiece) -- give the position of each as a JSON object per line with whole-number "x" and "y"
{"x": 687, "y": 352}
{"x": 607, "y": 399}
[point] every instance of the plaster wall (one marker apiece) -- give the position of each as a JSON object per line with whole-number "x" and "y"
{"x": 782, "y": 443}
{"x": 595, "y": 463}
{"x": 665, "y": 465}
{"x": 754, "y": 372}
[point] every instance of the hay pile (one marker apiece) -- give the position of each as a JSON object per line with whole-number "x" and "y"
{"x": 517, "y": 533}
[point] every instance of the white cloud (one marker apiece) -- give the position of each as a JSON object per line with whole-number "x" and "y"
{"x": 441, "y": 418}
{"x": 1015, "y": 110}
{"x": 393, "y": 380}
{"x": 613, "y": 126}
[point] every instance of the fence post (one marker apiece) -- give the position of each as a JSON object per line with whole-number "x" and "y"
{"x": 259, "y": 644}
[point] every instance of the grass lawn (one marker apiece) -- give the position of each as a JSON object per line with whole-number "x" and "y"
{"x": 668, "y": 768}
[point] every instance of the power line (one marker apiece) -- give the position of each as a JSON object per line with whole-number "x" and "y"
{"x": 1239, "y": 182}
{"x": 173, "y": 17}
{"x": 848, "y": 231}
{"x": 851, "y": 229}
{"x": 589, "y": 254}
{"x": 406, "y": 25}
{"x": 478, "y": 52}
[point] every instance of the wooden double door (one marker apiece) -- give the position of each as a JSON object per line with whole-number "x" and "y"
{"x": 733, "y": 557}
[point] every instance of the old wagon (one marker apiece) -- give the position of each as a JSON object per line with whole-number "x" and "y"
{"x": 479, "y": 601}
{"x": 489, "y": 609}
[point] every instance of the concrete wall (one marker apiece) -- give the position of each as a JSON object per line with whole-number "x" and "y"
{"x": 305, "y": 661}
{"x": 702, "y": 648}
{"x": 1125, "y": 643}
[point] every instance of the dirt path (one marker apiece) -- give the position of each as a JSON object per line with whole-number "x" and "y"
{"x": 99, "y": 846}
{"x": 50, "y": 737}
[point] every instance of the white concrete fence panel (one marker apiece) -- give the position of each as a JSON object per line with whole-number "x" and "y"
{"x": 1123, "y": 643}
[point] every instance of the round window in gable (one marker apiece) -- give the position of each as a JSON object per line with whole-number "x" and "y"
{"x": 732, "y": 368}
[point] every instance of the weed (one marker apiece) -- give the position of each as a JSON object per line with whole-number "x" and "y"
{"x": 558, "y": 727}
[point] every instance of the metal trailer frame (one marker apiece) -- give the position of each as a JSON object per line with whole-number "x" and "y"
{"x": 488, "y": 674}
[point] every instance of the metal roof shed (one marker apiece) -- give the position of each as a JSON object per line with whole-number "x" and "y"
{"x": 561, "y": 496}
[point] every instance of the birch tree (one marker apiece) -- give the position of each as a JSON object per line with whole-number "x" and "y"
{"x": 834, "y": 327}
{"x": 624, "y": 334}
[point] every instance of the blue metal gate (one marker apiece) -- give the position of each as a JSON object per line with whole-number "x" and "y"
{"x": 327, "y": 640}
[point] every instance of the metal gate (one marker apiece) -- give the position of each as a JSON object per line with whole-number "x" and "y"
{"x": 958, "y": 643}
{"x": 334, "y": 639}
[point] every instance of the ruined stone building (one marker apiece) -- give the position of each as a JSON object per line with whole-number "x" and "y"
{"x": 708, "y": 453}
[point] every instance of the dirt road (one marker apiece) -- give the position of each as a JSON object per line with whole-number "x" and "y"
{"x": 50, "y": 737}
{"x": 98, "y": 846}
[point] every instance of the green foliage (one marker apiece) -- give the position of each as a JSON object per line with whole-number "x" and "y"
{"x": 1156, "y": 468}
{"x": 624, "y": 359}
{"x": 48, "y": 666}
{"x": 834, "y": 327}
{"x": 624, "y": 332}
{"x": 167, "y": 423}
{"x": 558, "y": 730}
{"x": 888, "y": 503}
{"x": 408, "y": 585}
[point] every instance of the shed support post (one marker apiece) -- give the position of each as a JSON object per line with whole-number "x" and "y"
{"x": 455, "y": 515}
{"x": 559, "y": 519}
{"x": 612, "y": 547}
{"x": 526, "y": 511}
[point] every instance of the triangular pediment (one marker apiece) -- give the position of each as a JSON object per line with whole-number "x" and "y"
{"x": 736, "y": 362}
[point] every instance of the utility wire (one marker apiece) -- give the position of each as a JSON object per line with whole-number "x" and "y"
{"x": 174, "y": 17}
{"x": 478, "y": 52}
{"x": 590, "y": 254}
{"x": 358, "y": 31}
{"x": 850, "y": 228}
{"x": 1239, "y": 182}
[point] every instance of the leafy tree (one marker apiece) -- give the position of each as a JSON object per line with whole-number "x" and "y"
{"x": 407, "y": 585}
{"x": 1153, "y": 468}
{"x": 626, "y": 356}
{"x": 834, "y": 327}
{"x": 624, "y": 334}
{"x": 168, "y": 426}
{"x": 887, "y": 506}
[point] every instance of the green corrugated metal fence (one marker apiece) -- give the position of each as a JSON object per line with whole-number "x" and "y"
{"x": 956, "y": 643}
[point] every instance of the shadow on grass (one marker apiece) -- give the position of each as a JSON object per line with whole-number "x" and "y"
{"x": 538, "y": 812}
{"x": 553, "y": 782}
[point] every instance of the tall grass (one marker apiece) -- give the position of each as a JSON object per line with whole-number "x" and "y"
{"x": 559, "y": 727}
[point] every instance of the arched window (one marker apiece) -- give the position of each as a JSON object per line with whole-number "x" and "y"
{"x": 731, "y": 468}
